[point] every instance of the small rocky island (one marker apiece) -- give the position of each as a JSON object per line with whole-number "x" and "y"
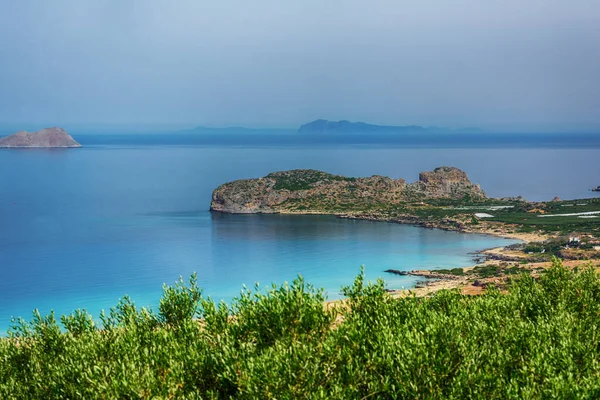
{"x": 48, "y": 137}
{"x": 311, "y": 191}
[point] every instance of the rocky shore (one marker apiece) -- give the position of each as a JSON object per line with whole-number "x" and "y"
{"x": 449, "y": 224}
{"x": 431, "y": 274}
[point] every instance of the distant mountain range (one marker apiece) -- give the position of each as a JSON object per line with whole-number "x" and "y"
{"x": 325, "y": 126}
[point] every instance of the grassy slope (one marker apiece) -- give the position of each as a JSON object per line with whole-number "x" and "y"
{"x": 523, "y": 220}
{"x": 561, "y": 225}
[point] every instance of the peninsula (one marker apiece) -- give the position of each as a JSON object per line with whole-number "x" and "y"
{"x": 310, "y": 191}
{"x": 47, "y": 137}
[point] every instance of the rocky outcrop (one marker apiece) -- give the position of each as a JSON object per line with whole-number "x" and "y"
{"x": 445, "y": 182}
{"x": 431, "y": 274}
{"x": 48, "y": 137}
{"x": 311, "y": 191}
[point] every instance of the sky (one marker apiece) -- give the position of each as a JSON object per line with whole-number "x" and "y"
{"x": 500, "y": 65}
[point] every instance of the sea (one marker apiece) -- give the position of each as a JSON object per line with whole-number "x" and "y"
{"x": 81, "y": 228}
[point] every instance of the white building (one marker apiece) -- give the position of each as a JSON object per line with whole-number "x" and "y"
{"x": 483, "y": 215}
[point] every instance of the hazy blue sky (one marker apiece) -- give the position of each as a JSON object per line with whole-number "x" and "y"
{"x": 496, "y": 64}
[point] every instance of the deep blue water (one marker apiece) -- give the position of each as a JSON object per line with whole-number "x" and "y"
{"x": 82, "y": 227}
{"x": 263, "y": 138}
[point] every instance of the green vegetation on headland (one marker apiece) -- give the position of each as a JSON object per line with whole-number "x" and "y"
{"x": 304, "y": 181}
{"x": 540, "y": 215}
{"x": 482, "y": 271}
{"x": 539, "y": 340}
{"x": 519, "y": 215}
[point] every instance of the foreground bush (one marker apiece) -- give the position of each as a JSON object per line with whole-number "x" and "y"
{"x": 541, "y": 340}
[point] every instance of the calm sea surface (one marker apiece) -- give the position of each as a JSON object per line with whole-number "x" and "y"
{"x": 80, "y": 228}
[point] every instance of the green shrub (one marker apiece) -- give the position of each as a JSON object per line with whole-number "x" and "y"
{"x": 78, "y": 322}
{"x": 179, "y": 303}
{"x": 538, "y": 341}
{"x": 453, "y": 271}
{"x": 286, "y": 312}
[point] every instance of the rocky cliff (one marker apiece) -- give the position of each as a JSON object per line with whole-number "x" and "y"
{"x": 48, "y": 137}
{"x": 445, "y": 182}
{"x": 310, "y": 191}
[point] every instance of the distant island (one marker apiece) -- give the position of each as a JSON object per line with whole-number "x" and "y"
{"x": 48, "y": 137}
{"x": 325, "y": 126}
{"x": 315, "y": 127}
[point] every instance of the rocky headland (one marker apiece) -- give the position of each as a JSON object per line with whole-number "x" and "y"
{"x": 48, "y": 137}
{"x": 311, "y": 191}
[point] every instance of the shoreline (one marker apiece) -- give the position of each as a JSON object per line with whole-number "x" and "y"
{"x": 433, "y": 281}
{"x": 474, "y": 278}
{"x": 470, "y": 283}
{"x": 452, "y": 225}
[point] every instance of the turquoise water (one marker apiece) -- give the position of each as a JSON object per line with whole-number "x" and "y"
{"x": 80, "y": 228}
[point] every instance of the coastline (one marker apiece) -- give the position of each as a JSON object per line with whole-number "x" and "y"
{"x": 476, "y": 285}
{"x": 442, "y": 199}
{"x": 467, "y": 284}
{"x": 453, "y": 226}
{"x": 471, "y": 282}
{"x": 450, "y": 225}
{"x": 432, "y": 280}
